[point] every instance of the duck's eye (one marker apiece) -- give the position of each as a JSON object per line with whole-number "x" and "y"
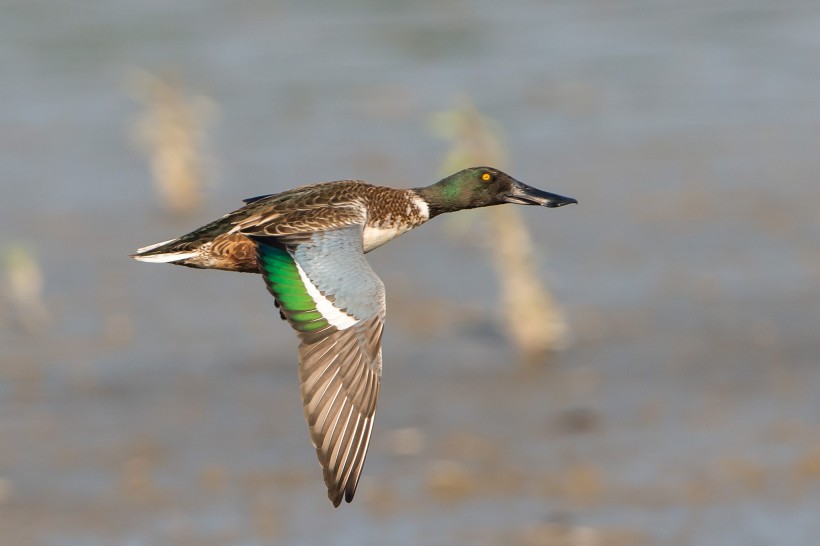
{"x": 486, "y": 177}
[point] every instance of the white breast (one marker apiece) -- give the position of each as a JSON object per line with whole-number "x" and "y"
{"x": 374, "y": 237}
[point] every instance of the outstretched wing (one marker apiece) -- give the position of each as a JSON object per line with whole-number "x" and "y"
{"x": 335, "y": 302}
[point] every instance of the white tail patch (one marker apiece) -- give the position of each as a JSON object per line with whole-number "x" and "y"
{"x": 164, "y": 258}
{"x": 152, "y": 247}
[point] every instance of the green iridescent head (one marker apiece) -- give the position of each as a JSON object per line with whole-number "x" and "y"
{"x": 484, "y": 187}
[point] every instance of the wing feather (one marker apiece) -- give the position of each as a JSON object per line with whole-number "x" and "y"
{"x": 340, "y": 356}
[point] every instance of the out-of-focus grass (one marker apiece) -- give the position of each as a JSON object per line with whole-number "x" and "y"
{"x": 171, "y": 131}
{"x": 24, "y": 289}
{"x": 533, "y": 320}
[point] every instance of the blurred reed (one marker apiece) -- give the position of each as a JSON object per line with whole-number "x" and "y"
{"x": 171, "y": 131}
{"x": 533, "y": 321}
{"x": 23, "y": 289}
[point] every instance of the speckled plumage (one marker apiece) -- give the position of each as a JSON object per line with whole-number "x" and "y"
{"x": 308, "y": 243}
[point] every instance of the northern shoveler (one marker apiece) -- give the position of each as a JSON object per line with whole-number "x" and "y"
{"x": 309, "y": 245}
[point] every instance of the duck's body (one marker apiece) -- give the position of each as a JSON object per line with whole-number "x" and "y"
{"x": 309, "y": 244}
{"x": 383, "y": 213}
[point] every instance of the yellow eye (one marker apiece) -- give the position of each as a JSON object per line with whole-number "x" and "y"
{"x": 486, "y": 177}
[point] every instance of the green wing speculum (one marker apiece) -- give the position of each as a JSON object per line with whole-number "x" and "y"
{"x": 284, "y": 282}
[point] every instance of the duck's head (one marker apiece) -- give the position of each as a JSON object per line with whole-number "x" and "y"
{"x": 483, "y": 187}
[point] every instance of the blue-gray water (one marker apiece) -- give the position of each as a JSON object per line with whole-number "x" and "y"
{"x": 160, "y": 406}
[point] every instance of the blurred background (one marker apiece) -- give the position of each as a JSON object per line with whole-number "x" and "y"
{"x": 144, "y": 404}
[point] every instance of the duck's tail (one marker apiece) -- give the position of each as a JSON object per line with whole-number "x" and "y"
{"x": 209, "y": 247}
{"x": 217, "y": 245}
{"x": 166, "y": 252}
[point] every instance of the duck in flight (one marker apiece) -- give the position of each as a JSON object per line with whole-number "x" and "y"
{"x": 308, "y": 244}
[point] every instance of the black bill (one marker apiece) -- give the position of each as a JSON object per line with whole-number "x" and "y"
{"x": 523, "y": 194}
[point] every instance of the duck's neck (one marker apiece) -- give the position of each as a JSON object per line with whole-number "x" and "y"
{"x": 443, "y": 196}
